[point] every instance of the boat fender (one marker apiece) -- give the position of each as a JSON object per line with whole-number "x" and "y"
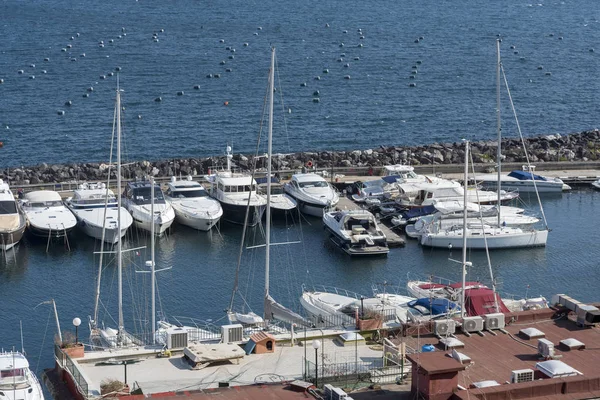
{"x": 309, "y": 163}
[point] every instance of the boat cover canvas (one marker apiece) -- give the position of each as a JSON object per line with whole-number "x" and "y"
{"x": 435, "y": 306}
{"x": 481, "y": 301}
{"x": 526, "y": 176}
{"x": 419, "y": 212}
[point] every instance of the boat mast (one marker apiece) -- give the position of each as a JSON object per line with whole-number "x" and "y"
{"x": 464, "y": 249}
{"x": 499, "y": 150}
{"x": 269, "y": 167}
{"x": 119, "y": 255}
{"x": 153, "y": 278}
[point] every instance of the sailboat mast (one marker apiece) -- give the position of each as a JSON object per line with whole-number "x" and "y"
{"x": 464, "y": 249}
{"x": 499, "y": 150}
{"x": 269, "y": 167}
{"x": 152, "y": 270}
{"x": 119, "y": 252}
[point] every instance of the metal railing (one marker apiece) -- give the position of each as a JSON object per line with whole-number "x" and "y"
{"x": 65, "y": 362}
{"x": 349, "y": 374}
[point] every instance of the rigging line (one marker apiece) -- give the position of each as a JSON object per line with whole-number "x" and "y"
{"x": 37, "y": 367}
{"x": 512, "y": 105}
{"x": 285, "y": 127}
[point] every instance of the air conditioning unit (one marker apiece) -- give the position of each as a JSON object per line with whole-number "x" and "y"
{"x": 545, "y": 348}
{"x": 177, "y": 338}
{"x": 232, "y": 333}
{"x": 444, "y": 327}
{"x": 521, "y": 375}
{"x": 494, "y": 321}
{"x": 472, "y": 324}
{"x": 328, "y": 388}
{"x": 567, "y": 301}
{"x": 338, "y": 394}
{"x": 587, "y": 315}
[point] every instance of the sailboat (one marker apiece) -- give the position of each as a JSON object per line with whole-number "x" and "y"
{"x": 492, "y": 236}
{"x": 272, "y": 309}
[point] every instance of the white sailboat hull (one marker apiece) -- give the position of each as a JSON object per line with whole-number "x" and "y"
{"x": 494, "y": 239}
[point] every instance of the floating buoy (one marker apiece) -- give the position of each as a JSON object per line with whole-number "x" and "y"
{"x": 20, "y": 71}
{"x": 180, "y": 93}
{"x": 309, "y": 163}
{"x": 303, "y": 84}
{"x": 156, "y": 40}
{"x": 74, "y": 59}
{"x": 346, "y": 65}
{"x": 111, "y": 74}
{"x": 414, "y": 72}
{"x": 411, "y": 77}
{"x": 90, "y": 89}
{"x": 421, "y": 37}
{"x": 222, "y": 62}
{"x": 362, "y": 38}
{"x": 326, "y": 25}
{"x": 222, "y": 41}
{"x": 356, "y": 58}
{"x": 342, "y": 44}
{"x": 217, "y": 75}
{"x": 32, "y": 65}
{"x": 289, "y": 110}
{"x": 228, "y": 70}
{"x": 512, "y": 47}
{"x": 32, "y": 77}
{"x": 412, "y": 84}
{"x": 325, "y": 71}
{"x": 1, "y": 80}
{"x": 2, "y": 143}
{"x": 316, "y": 100}
{"x": 68, "y": 103}
{"x": 86, "y": 95}
{"x": 317, "y": 78}
{"x": 414, "y": 67}
{"x": 316, "y": 93}
{"x": 77, "y": 34}
{"x": 551, "y": 35}
{"x": 516, "y": 52}
{"x": 360, "y": 45}
{"x": 139, "y": 117}
{"x": 197, "y": 87}
{"x": 162, "y": 30}
{"x": 231, "y": 57}
{"x": 119, "y": 37}
{"x": 209, "y": 75}
{"x": 63, "y": 49}
{"x": 560, "y": 38}
{"x": 540, "y": 67}
{"x": 69, "y": 46}
{"x": 46, "y": 59}
{"x": 102, "y": 76}
{"x": 592, "y": 50}
{"x": 111, "y": 41}
{"x": 158, "y": 99}
{"x": 246, "y": 44}
{"x": 419, "y": 62}
{"x": 344, "y": 31}
{"x": 232, "y": 50}
{"x": 416, "y": 40}
{"x": 44, "y": 71}
{"x": 548, "y": 73}
{"x": 259, "y": 28}
{"x": 347, "y": 77}
{"x": 226, "y": 103}
{"x": 522, "y": 58}
{"x": 100, "y": 45}
{"x": 101, "y": 42}
{"x": 343, "y": 55}
{"x": 228, "y": 48}
{"x": 60, "y": 112}
{"x": 255, "y": 33}
{"x": 117, "y": 69}
{"x": 82, "y": 55}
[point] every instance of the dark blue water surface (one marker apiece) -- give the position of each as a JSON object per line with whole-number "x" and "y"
{"x": 454, "y": 98}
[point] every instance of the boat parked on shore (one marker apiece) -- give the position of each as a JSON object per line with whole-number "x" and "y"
{"x": 47, "y": 216}
{"x": 192, "y": 204}
{"x": 312, "y": 192}
{"x": 12, "y": 218}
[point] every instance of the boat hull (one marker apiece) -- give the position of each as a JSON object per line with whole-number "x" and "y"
{"x": 236, "y": 214}
{"x": 526, "y": 186}
{"x": 45, "y": 232}
{"x": 524, "y": 239}
{"x": 356, "y": 249}
{"x": 8, "y": 240}
{"x": 199, "y": 223}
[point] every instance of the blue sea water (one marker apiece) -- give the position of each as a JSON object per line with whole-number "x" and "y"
{"x": 454, "y": 98}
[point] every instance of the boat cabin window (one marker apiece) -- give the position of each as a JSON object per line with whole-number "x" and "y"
{"x": 8, "y": 207}
{"x": 181, "y": 194}
{"x": 12, "y": 373}
{"x": 275, "y": 189}
{"x": 313, "y": 184}
{"x": 239, "y": 189}
{"x": 141, "y": 195}
{"x": 53, "y": 203}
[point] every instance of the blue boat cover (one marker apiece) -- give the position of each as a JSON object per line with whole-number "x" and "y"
{"x": 418, "y": 212}
{"x": 526, "y": 176}
{"x": 264, "y": 180}
{"x": 434, "y": 305}
{"x": 391, "y": 178}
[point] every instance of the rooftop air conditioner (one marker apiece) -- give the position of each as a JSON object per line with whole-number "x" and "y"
{"x": 545, "y": 348}
{"x": 494, "y": 321}
{"x": 472, "y": 324}
{"x": 444, "y": 327}
{"x": 568, "y": 302}
{"x": 338, "y": 394}
{"x": 521, "y": 375}
{"x": 232, "y": 333}
{"x": 177, "y": 338}
{"x": 587, "y": 315}
{"x": 328, "y": 391}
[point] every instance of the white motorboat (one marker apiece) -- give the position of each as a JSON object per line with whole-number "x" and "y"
{"x": 138, "y": 200}
{"x": 424, "y": 194}
{"x": 17, "y": 381}
{"x": 46, "y": 214}
{"x": 192, "y": 204}
{"x": 281, "y": 203}
{"x": 596, "y": 184}
{"x": 313, "y": 193}
{"x": 356, "y": 232}
{"x": 450, "y": 214}
{"x": 96, "y": 209}
{"x": 523, "y": 181}
{"x": 12, "y": 218}
{"x": 236, "y": 192}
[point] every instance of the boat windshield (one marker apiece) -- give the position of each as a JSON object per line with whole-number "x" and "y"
{"x": 52, "y": 203}
{"x": 141, "y": 195}
{"x": 8, "y": 207}
{"x": 8, "y": 376}
{"x": 313, "y": 184}
{"x": 181, "y": 194}
{"x": 275, "y": 189}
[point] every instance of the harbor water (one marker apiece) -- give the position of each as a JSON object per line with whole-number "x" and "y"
{"x": 360, "y": 57}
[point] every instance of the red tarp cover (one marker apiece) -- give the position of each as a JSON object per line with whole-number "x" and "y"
{"x": 481, "y": 302}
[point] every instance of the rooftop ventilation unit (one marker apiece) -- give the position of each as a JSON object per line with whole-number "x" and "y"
{"x": 545, "y": 348}
{"x": 494, "y": 321}
{"x": 444, "y": 327}
{"x": 472, "y": 324}
{"x": 587, "y": 315}
{"x": 177, "y": 338}
{"x": 232, "y": 333}
{"x": 521, "y": 375}
{"x": 566, "y": 301}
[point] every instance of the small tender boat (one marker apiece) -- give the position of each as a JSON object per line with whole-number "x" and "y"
{"x": 356, "y": 232}
{"x": 17, "y": 381}
{"x": 312, "y": 192}
{"x": 138, "y": 201}
{"x": 97, "y": 212}
{"x": 192, "y": 204}
{"x": 523, "y": 181}
{"x": 12, "y": 218}
{"x": 46, "y": 214}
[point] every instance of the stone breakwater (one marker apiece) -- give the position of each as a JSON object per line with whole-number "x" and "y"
{"x": 584, "y": 146}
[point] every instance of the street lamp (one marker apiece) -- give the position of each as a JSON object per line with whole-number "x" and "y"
{"x": 76, "y": 322}
{"x": 316, "y": 344}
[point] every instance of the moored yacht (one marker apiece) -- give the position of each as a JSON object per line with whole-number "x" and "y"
{"x": 138, "y": 201}
{"x": 237, "y": 192}
{"x": 12, "y": 219}
{"x": 192, "y": 204}
{"x": 523, "y": 181}
{"x": 96, "y": 210}
{"x": 356, "y": 232}
{"x": 46, "y": 214}
{"x": 312, "y": 192}
{"x": 17, "y": 381}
